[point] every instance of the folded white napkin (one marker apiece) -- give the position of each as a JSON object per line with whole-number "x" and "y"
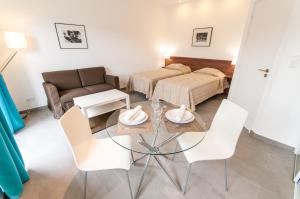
{"x": 180, "y": 113}
{"x": 133, "y": 113}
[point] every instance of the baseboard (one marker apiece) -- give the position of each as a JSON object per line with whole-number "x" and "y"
{"x": 272, "y": 142}
{"x": 34, "y": 109}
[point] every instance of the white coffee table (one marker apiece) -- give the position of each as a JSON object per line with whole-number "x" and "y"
{"x": 102, "y": 102}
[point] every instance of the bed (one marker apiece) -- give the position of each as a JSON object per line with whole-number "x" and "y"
{"x": 145, "y": 82}
{"x": 209, "y": 78}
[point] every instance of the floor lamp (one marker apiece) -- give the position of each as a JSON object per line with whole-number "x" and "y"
{"x": 14, "y": 41}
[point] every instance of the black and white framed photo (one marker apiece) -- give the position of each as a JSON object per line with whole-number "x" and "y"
{"x": 71, "y": 36}
{"x": 202, "y": 37}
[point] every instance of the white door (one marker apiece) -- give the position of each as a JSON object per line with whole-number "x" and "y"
{"x": 279, "y": 113}
{"x": 259, "y": 48}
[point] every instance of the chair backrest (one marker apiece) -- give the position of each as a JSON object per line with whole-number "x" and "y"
{"x": 76, "y": 128}
{"x": 227, "y": 125}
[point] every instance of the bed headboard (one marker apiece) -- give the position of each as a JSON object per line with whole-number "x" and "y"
{"x": 198, "y": 63}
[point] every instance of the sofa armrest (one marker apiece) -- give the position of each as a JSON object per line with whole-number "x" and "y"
{"x": 53, "y": 99}
{"x": 112, "y": 80}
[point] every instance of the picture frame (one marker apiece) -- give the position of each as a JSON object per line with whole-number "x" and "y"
{"x": 202, "y": 37}
{"x": 71, "y": 36}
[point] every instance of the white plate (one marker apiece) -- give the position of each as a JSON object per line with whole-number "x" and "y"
{"x": 141, "y": 118}
{"x": 187, "y": 117}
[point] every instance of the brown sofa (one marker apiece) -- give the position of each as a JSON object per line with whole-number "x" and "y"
{"x": 62, "y": 86}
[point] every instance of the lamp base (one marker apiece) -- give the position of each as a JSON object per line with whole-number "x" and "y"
{"x": 24, "y": 115}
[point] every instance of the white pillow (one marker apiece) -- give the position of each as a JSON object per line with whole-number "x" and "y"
{"x": 211, "y": 71}
{"x": 180, "y": 67}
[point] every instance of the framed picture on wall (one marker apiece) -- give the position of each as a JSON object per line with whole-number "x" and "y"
{"x": 202, "y": 37}
{"x": 71, "y": 36}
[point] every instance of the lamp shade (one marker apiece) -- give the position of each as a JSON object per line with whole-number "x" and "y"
{"x": 15, "y": 40}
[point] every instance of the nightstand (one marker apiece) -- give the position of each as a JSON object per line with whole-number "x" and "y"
{"x": 229, "y": 79}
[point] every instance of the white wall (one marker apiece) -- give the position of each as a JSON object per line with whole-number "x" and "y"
{"x": 227, "y": 17}
{"x": 122, "y": 35}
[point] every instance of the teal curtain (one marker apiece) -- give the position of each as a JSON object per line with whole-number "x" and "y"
{"x": 8, "y": 108}
{"x": 12, "y": 169}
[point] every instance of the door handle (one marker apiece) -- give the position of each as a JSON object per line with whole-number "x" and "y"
{"x": 266, "y": 71}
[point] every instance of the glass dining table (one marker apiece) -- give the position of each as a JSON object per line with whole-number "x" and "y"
{"x": 156, "y": 137}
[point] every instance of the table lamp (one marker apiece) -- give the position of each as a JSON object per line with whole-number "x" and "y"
{"x": 15, "y": 41}
{"x": 234, "y": 60}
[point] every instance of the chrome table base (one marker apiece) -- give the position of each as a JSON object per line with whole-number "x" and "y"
{"x": 154, "y": 151}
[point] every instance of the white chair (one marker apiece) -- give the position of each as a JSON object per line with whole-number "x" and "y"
{"x": 92, "y": 154}
{"x": 220, "y": 140}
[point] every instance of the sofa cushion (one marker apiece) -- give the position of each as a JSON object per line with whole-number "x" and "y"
{"x": 92, "y": 76}
{"x": 63, "y": 80}
{"x": 68, "y": 95}
{"x": 99, "y": 88}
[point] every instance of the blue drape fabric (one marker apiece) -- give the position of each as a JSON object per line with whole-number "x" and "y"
{"x": 12, "y": 170}
{"x": 8, "y": 108}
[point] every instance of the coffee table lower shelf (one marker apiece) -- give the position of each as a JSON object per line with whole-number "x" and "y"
{"x": 99, "y": 110}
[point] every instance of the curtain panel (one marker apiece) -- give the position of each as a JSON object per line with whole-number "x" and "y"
{"x": 12, "y": 169}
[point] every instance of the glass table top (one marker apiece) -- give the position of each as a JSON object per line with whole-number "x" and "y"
{"x": 157, "y": 135}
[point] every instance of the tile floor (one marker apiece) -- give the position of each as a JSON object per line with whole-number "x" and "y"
{"x": 257, "y": 170}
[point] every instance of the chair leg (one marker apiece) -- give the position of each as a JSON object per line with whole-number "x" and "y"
{"x": 187, "y": 178}
{"x": 226, "y": 174}
{"x": 129, "y": 185}
{"x": 85, "y": 184}
{"x": 132, "y": 158}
